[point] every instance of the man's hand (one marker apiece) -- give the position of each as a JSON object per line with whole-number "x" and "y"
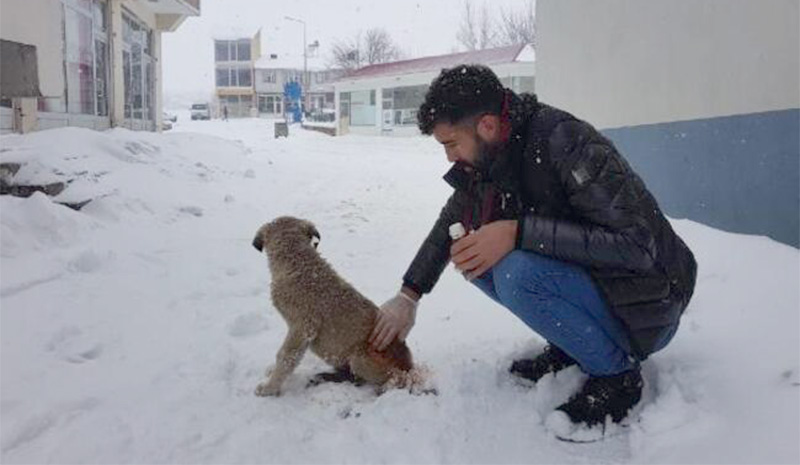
{"x": 476, "y": 253}
{"x": 395, "y": 319}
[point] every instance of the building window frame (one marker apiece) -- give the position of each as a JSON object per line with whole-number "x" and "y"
{"x": 138, "y": 68}
{"x": 93, "y": 99}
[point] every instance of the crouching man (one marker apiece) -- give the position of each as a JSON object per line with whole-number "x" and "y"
{"x": 563, "y": 233}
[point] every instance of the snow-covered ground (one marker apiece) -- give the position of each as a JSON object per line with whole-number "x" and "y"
{"x": 135, "y": 330}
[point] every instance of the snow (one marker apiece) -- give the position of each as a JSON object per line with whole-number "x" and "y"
{"x": 135, "y": 330}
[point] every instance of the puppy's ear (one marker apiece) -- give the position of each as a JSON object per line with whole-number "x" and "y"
{"x": 258, "y": 243}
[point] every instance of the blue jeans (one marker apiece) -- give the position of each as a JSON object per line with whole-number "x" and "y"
{"x": 560, "y": 302}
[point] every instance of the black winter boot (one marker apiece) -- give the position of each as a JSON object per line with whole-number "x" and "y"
{"x": 605, "y": 395}
{"x": 551, "y": 360}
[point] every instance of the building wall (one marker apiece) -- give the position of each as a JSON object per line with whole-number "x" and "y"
{"x": 46, "y": 33}
{"x": 504, "y": 71}
{"x": 40, "y": 23}
{"x": 624, "y": 62}
{"x": 702, "y": 98}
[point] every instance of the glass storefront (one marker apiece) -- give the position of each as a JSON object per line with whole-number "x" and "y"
{"x": 138, "y": 69}
{"x": 362, "y": 108}
{"x": 86, "y": 56}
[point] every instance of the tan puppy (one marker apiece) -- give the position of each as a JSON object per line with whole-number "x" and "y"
{"x": 323, "y": 311}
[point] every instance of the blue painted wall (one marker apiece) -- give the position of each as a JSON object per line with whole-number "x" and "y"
{"x": 738, "y": 173}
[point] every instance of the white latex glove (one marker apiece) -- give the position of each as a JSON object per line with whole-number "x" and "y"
{"x": 395, "y": 319}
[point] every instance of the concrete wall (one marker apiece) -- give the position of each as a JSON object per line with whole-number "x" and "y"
{"x": 627, "y": 62}
{"x": 45, "y": 32}
{"x": 703, "y": 98}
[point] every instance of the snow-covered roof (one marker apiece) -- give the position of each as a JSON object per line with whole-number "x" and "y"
{"x": 491, "y": 56}
{"x": 232, "y": 33}
{"x": 288, "y": 61}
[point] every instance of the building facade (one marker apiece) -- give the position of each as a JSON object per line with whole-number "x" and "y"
{"x": 97, "y": 62}
{"x": 709, "y": 116}
{"x": 274, "y": 71}
{"x": 234, "y": 67}
{"x": 384, "y": 98}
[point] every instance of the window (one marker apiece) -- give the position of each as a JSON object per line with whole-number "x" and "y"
{"x": 228, "y": 76}
{"x": 520, "y": 84}
{"x": 245, "y": 78}
{"x": 243, "y": 50}
{"x": 268, "y": 76}
{"x": 223, "y": 77}
{"x": 221, "y": 50}
{"x": 85, "y": 58}
{"x": 100, "y": 61}
{"x": 362, "y": 108}
{"x": 138, "y": 69}
{"x": 405, "y": 101}
{"x": 100, "y": 14}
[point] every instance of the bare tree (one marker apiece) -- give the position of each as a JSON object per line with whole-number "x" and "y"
{"x": 467, "y": 35}
{"x": 375, "y": 46}
{"x": 379, "y": 47}
{"x": 346, "y": 54}
{"x": 476, "y": 30}
{"x": 518, "y": 27}
{"x": 488, "y": 32}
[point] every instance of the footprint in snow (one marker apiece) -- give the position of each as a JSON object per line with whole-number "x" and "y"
{"x": 72, "y": 345}
{"x": 90, "y": 261}
{"x": 190, "y": 210}
{"x": 247, "y": 325}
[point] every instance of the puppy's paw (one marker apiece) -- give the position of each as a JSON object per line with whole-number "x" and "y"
{"x": 266, "y": 389}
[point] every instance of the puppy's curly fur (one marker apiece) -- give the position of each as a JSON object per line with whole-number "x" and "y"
{"x": 323, "y": 312}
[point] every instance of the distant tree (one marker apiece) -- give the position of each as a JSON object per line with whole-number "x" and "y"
{"x": 346, "y": 54}
{"x": 374, "y": 46}
{"x": 478, "y": 30}
{"x": 379, "y": 47}
{"x": 518, "y": 27}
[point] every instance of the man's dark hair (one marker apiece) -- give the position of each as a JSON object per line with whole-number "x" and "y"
{"x": 459, "y": 93}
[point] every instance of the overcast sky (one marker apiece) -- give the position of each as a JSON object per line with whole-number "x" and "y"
{"x": 420, "y": 27}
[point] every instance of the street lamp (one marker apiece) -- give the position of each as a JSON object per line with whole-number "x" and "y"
{"x": 305, "y": 51}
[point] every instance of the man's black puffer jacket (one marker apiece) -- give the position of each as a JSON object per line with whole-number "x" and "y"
{"x": 576, "y": 200}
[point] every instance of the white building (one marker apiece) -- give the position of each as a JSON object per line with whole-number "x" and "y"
{"x": 90, "y": 63}
{"x": 234, "y": 71}
{"x": 274, "y": 70}
{"x": 384, "y": 98}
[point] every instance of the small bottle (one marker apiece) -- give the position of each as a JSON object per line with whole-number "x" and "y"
{"x": 457, "y": 231}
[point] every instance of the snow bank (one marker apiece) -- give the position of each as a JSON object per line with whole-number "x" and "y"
{"x": 135, "y": 330}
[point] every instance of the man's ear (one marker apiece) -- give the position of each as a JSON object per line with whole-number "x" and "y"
{"x": 489, "y": 127}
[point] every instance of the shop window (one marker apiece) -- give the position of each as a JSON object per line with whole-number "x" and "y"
{"x": 79, "y": 62}
{"x": 405, "y": 101}
{"x": 138, "y": 69}
{"x": 363, "y": 108}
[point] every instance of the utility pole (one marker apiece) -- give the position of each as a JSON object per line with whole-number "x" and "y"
{"x": 305, "y": 55}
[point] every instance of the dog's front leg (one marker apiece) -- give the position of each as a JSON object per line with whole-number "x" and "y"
{"x": 292, "y": 350}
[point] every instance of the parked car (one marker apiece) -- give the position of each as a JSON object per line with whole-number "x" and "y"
{"x": 170, "y": 117}
{"x": 201, "y": 111}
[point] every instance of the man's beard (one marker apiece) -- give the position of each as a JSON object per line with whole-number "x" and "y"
{"x": 486, "y": 153}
